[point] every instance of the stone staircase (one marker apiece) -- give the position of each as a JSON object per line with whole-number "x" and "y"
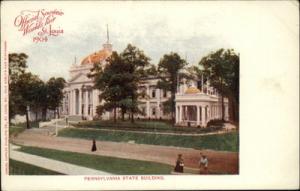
{"x": 74, "y": 118}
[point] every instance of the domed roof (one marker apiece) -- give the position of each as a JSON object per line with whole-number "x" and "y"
{"x": 96, "y": 57}
{"x": 192, "y": 90}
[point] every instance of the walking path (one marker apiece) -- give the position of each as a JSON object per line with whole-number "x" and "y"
{"x": 219, "y": 161}
{"x": 57, "y": 166}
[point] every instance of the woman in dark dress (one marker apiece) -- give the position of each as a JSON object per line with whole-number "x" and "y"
{"x": 179, "y": 164}
{"x": 94, "y": 148}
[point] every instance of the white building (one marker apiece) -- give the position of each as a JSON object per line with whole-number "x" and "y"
{"x": 193, "y": 107}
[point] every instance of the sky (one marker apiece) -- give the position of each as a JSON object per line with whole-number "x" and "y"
{"x": 192, "y": 29}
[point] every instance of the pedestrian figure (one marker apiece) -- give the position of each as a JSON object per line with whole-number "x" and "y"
{"x": 94, "y": 148}
{"x": 203, "y": 164}
{"x": 179, "y": 164}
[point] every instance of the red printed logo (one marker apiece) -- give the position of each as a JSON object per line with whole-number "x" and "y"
{"x": 40, "y": 22}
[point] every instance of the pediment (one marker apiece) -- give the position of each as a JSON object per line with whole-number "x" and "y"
{"x": 80, "y": 77}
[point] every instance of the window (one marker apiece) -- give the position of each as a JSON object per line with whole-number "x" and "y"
{"x": 143, "y": 111}
{"x": 165, "y": 93}
{"x": 153, "y": 93}
{"x": 153, "y": 111}
{"x": 143, "y": 93}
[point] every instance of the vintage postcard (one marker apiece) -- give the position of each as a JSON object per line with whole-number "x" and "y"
{"x": 147, "y": 95}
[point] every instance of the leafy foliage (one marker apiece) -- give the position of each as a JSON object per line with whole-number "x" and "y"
{"x": 27, "y": 89}
{"x": 222, "y": 68}
{"x": 170, "y": 72}
{"x": 118, "y": 80}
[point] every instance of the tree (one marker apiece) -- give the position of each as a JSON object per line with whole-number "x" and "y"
{"x": 118, "y": 80}
{"x": 38, "y": 96}
{"x": 23, "y": 92}
{"x": 136, "y": 65}
{"x": 113, "y": 82}
{"x": 169, "y": 69}
{"x": 54, "y": 89}
{"x": 17, "y": 67}
{"x": 222, "y": 69}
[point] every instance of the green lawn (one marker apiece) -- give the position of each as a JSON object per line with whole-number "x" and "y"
{"x": 223, "y": 142}
{"x": 15, "y": 129}
{"x": 107, "y": 164}
{"x": 145, "y": 125}
{"x": 20, "y": 168}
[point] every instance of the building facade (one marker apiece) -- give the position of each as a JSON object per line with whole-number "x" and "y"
{"x": 193, "y": 107}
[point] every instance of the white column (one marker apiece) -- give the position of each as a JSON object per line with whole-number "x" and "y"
{"x": 214, "y": 112}
{"x": 198, "y": 115}
{"x": 176, "y": 113}
{"x": 208, "y": 113}
{"x": 203, "y": 116}
{"x": 80, "y": 102}
{"x": 220, "y": 111}
{"x": 86, "y": 103}
{"x": 70, "y": 102}
{"x": 226, "y": 112}
{"x": 180, "y": 113}
{"x": 148, "y": 101}
{"x": 74, "y": 102}
{"x": 158, "y": 103}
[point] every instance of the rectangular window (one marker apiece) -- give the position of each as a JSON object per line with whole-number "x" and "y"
{"x": 143, "y": 93}
{"x": 165, "y": 93}
{"x": 153, "y": 111}
{"x": 153, "y": 93}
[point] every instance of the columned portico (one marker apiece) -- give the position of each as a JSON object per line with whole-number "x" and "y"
{"x": 196, "y": 108}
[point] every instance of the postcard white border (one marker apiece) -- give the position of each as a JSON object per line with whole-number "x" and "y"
{"x": 269, "y": 110}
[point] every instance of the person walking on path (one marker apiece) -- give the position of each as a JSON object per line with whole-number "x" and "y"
{"x": 94, "y": 148}
{"x": 203, "y": 164}
{"x": 179, "y": 164}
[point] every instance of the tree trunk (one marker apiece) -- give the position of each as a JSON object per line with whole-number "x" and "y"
{"x": 44, "y": 114}
{"x": 115, "y": 115}
{"x": 36, "y": 115}
{"x": 58, "y": 113}
{"x": 234, "y": 109}
{"x": 123, "y": 114}
{"x": 27, "y": 120}
{"x": 222, "y": 100}
{"x": 223, "y": 107}
{"x": 173, "y": 107}
{"x": 230, "y": 109}
{"x": 132, "y": 111}
{"x": 132, "y": 118}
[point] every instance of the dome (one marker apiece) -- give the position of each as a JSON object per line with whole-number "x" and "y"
{"x": 192, "y": 90}
{"x": 96, "y": 57}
